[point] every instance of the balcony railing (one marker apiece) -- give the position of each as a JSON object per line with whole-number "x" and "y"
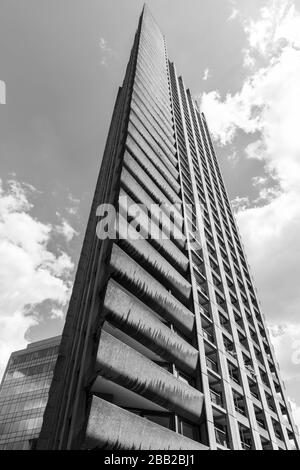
{"x": 261, "y": 423}
{"x": 240, "y": 410}
{"x": 221, "y": 437}
{"x": 231, "y": 351}
{"x": 226, "y": 325}
{"x": 205, "y": 311}
{"x": 254, "y": 394}
{"x": 265, "y": 382}
{"x": 212, "y": 365}
{"x": 272, "y": 407}
{"x": 203, "y": 292}
{"x": 208, "y": 336}
{"x": 245, "y": 446}
{"x": 235, "y": 379}
{"x": 216, "y": 398}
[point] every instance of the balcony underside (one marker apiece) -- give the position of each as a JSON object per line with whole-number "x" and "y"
{"x": 150, "y": 230}
{"x": 125, "y": 366}
{"x": 111, "y": 427}
{"x": 142, "y": 251}
{"x": 149, "y": 290}
{"x": 137, "y": 320}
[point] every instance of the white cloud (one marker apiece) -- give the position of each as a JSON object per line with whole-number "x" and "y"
{"x": 249, "y": 60}
{"x": 73, "y": 209}
{"x": 234, "y": 14}
{"x": 239, "y": 204}
{"x": 266, "y": 195}
{"x": 296, "y": 413}
{"x": 106, "y": 52}
{"x": 63, "y": 264}
{"x": 286, "y": 340}
{"x": 271, "y": 234}
{"x": 270, "y": 95}
{"x": 29, "y": 272}
{"x": 57, "y": 313}
{"x": 235, "y": 112}
{"x": 287, "y": 344}
{"x": 66, "y": 230}
{"x": 233, "y": 158}
{"x": 206, "y": 74}
{"x": 278, "y": 25}
{"x": 2, "y": 92}
{"x": 259, "y": 180}
{"x": 103, "y": 44}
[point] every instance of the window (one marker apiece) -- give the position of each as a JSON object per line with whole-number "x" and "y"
{"x": 216, "y": 397}
{"x": 163, "y": 419}
{"x": 221, "y": 435}
{"x": 188, "y": 429}
{"x": 246, "y": 438}
{"x": 234, "y": 373}
{"x": 165, "y": 365}
{"x": 185, "y": 378}
{"x": 239, "y": 403}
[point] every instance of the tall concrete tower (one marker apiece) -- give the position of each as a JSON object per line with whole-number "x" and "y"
{"x": 165, "y": 345}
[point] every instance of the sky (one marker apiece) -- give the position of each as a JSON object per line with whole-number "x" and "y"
{"x": 61, "y": 63}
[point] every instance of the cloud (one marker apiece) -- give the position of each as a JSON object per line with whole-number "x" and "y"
{"x": 271, "y": 235}
{"x": 66, "y": 230}
{"x": 266, "y": 195}
{"x": 2, "y": 92}
{"x": 268, "y": 100}
{"x": 233, "y": 158}
{"x": 259, "y": 180}
{"x": 278, "y": 25}
{"x": 234, "y": 14}
{"x": 206, "y": 74}
{"x": 74, "y": 207}
{"x": 30, "y": 273}
{"x": 249, "y": 60}
{"x": 268, "y": 107}
{"x": 286, "y": 339}
{"x": 235, "y": 112}
{"x": 240, "y": 203}
{"x": 296, "y": 413}
{"x": 57, "y": 313}
{"x": 106, "y": 52}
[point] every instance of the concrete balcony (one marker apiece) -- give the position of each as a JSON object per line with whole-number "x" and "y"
{"x": 157, "y": 162}
{"x": 168, "y": 160}
{"x": 147, "y": 182}
{"x": 164, "y": 245}
{"x": 140, "y": 322}
{"x": 150, "y": 290}
{"x": 111, "y": 427}
{"x": 118, "y": 362}
{"x": 175, "y": 229}
{"x": 144, "y": 253}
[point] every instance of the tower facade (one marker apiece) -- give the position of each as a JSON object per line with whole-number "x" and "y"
{"x": 164, "y": 345}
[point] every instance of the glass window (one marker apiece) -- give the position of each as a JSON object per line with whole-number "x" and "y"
{"x": 161, "y": 419}
{"x": 189, "y": 430}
